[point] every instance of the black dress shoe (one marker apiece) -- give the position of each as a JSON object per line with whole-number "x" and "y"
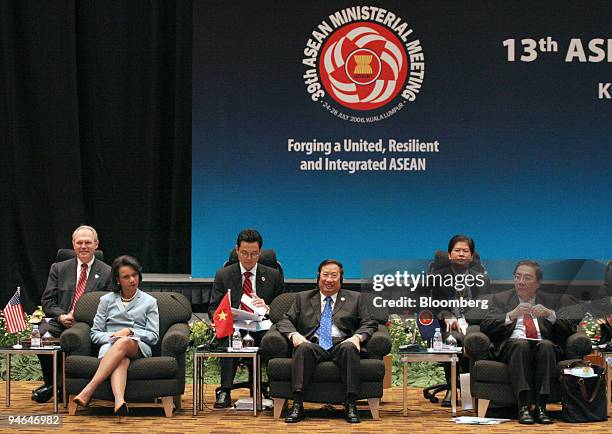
{"x": 296, "y": 414}
{"x": 446, "y": 402}
{"x": 524, "y": 416}
{"x": 541, "y": 416}
{"x": 265, "y": 391}
{"x": 42, "y": 386}
{"x": 350, "y": 413}
{"x": 224, "y": 399}
{"x": 45, "y": 393}
{"x": 36, "y": 392}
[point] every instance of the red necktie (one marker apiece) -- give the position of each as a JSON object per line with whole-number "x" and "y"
{"x": 80, "y": 289}
{"x": 247, "y": 288}
{"x": 530, "y": 328}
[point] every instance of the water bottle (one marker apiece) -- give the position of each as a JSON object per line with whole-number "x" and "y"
{"x": 451, "y": 342}
{"x": 236, "y": 340}
{"x": 437, "y": 340}
{"x": 35, "y": 338}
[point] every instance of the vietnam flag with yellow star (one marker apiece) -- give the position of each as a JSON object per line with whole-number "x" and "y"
{"x": 224, "y": 323}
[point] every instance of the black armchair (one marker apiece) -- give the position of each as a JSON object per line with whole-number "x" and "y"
{"x": 490, "y": 379}
{"x": 326, "y": 386}
{"x": 160, "y": 377}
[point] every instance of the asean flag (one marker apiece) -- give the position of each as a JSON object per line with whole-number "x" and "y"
{"x": 224, "y": 322}
{"x": 427, "y": 323}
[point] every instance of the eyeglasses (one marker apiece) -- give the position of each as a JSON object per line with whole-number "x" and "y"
{"x": 248, "y": 254}
{"x": 527, "y": 278}
{"x": 464, "y": 251}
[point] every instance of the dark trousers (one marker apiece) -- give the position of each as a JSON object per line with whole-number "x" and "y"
{"x": 229, "y": 365}
{"x": 46, "y": 362}
{"x": 531, "y": 365}
{"x": 306, "y": 356}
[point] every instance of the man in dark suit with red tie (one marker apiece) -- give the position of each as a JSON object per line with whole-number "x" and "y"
{"x": 327, "y": 323}
{"x": 248, "y": 277}
{"x": 67, "y": 281}
{"x": 527, "y": 333}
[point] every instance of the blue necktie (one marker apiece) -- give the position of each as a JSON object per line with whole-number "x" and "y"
{"x": 325, "y": 327}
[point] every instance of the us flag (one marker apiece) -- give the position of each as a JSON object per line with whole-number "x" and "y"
{"x": 13, "y": 314}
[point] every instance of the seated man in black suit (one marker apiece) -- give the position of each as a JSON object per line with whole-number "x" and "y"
{"x": 327, "y": 323}
{"x": 528, "y": 335}
{"x": 246, "y": 276}
{"x": 459, "y": 278}
{"x": 67, "y": 281}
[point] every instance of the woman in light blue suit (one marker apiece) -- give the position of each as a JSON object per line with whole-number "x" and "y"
{"x": 126, "y": 326}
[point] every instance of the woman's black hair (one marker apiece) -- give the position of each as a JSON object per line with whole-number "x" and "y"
{"x": 124, "y": 261}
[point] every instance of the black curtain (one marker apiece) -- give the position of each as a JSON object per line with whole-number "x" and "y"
{"x": 96, "y": 129}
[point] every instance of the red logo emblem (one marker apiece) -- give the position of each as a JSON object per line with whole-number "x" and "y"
{"x": 425, "y": 317}
{"x": 363, "y": 66}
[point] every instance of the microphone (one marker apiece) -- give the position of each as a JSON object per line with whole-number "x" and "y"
{"x": 211, "y": 345}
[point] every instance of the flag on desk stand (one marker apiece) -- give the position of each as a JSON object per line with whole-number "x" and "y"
{"x": 224, "y": 322}
{"x": 14, "y": 315}
{"x": 427, "y": 323}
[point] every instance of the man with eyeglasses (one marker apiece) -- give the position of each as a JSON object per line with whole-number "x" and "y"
{"x": 67, "y": 282}
{"x": 248, "y": 277}
{"x": 327, "y": 324}
{"x": 529, "y": 337}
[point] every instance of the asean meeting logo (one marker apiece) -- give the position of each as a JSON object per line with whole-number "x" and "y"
{"x": 426, "y": 318}
{"x": 363, "y": 64}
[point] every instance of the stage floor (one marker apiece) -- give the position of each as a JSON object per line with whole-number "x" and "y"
{"x": 423, "y": 416}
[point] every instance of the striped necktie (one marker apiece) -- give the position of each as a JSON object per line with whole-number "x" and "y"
{"x": 80, "y": 288}
{"x": 247, "y": 288}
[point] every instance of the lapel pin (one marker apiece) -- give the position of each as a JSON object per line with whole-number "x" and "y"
{"x": 263, "y": 278}
{"x": 342, "y": 299}
{"x": 96, "y": 276}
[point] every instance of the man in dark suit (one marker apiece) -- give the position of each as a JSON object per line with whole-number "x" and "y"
{"x": 248, "y": 277}
{"x": 67, "y": 281}
{"x": 458, "y": 276}
{"x": 528, "y": 334}
{"x": 328, "y": 323}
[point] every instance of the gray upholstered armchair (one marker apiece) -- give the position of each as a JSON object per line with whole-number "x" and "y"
{"x": 326, "y": 386}
{"x": 160, "y": 377}
{"x": 490, "y": 380}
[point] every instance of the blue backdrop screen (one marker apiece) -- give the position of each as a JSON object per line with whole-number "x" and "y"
{"x": 503, "y": 110}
